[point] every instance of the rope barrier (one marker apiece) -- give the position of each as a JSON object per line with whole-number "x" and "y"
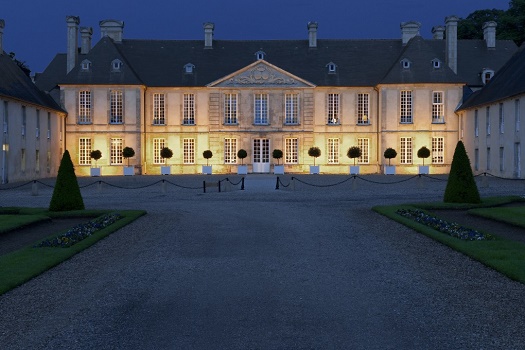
{"x": 14, "y": 187}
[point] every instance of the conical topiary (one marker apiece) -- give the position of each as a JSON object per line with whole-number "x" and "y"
{"x": 66, "y": 195}
{"x": 461, "y": 187}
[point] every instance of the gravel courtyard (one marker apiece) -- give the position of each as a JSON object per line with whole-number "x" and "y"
{"x": 301, "y": 267}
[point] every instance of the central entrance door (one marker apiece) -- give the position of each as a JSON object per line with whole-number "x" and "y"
{"x": 261, "y": 155}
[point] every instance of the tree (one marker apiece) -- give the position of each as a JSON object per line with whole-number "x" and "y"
{"x": 241, "y": 155}
{"x": 389, "y": 154}
{"x": 166, "y": 153}
{"x": 127, "y": 153}
{"x": 423, "y": 153}
{"x": 207, "y": 155}
{"x": 66, "y": 194}
{"x": 314, "y": 152}
{"x": 354, "y": 152}
{"x": 277, "y": 154}
{"x": 96, "y": 155}
{"x": 461, "y": 187}
{"x": 472, "y": 26}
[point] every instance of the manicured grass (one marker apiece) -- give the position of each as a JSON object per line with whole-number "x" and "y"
{"x": 505, "y": 256}
{"x": 22, "y": 265}
{"x": 11, "y": 222}
{"x": 510, "y": 215}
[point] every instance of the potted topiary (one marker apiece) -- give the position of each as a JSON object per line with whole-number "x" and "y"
{"x": 96, "y": 155}
{"x": 389, "y": 154}
{"x": 242, "y": 169}
{"x": 314, "y": 152}
{"x": 278, "y": 169}
{"x": 353, "y": 153}
{"x": 423, "y": 153}
{"x": 127, "y": 153}
{"x": 165, "y": 153}
{"x": 206, "y": 169}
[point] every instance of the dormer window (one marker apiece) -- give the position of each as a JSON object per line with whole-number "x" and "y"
{"x": 436, "y": 63}
{"x": 85, "y": 65}
{"x": 332, "y": 67}
{"x": 486, "y": 75}
{"x": 405, "y": 63}
{"x": 260, "y": 55}
{"x": 116, "y": 65}
{"x": 188, "y": 68}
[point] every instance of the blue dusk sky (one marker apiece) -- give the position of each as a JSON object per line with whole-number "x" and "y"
{"x": 35, "y": 30}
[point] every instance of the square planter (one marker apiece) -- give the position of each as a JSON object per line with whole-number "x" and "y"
{"x": 129, "y": 171}
{"x": 95, "y": 171}
{"x": 206, "y": 169}
{"x": 424, "y": 169}
{"x": 278, "y": 169}
{"x": 242, "y": 169}
{"x": 165, "y": 170}
{"x": 314, "y": 169}
{"x": 390, "y": 169}
{"x": 354, "y": 169}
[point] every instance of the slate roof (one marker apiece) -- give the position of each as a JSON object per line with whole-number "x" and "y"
{"x": 15, "y": 84}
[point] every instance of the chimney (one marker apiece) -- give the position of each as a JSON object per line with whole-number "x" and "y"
{"x": 312, "y": 34}
{"x": 2, "y": 25}
{"x": 437, "y": 32}
{"x": 72, "y": 41}
{"x": 112, "y": 29}
{"x": 208, "y": 35}
{"x": 489, "y": 34}
{"x": 85, "y": 34}
{"x": 409, "y": 30}
{"x": 451, "y": 46}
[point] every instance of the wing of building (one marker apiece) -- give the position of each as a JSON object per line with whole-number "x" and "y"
{"x": 261, "y": 95}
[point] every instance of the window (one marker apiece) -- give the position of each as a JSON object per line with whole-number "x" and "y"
{"x": 332, "y": 67}
{"x": 333, "y": 151}
{"x": 476, "y": 159}
{"x": 158, "y": 109}
{"x": 261, "y": 109}
{"x": 517, "y": 116}
{"x": 115, "y": 154}
{"x": 37, "y": 160}
{"x": 332, "y": 108}
{"x": 6, "y": 119}
{"x": 486, "y": 75}
{"x": 23, "y": 159}
{"x": 476, "y": 123}
{"x": 517, "y": 160}
{"x": 364, "y": 145}
{"x": 48, "y": 125}
{"x": 158, "y": 145}
{"x": 37, "y": 130}
{"x": 24, "y": 121}
{"x": 291, "y": 109}
{"x": 501, "y": 159}
{"x": 260, "y": 55}
{"x": 438, "y": 150}
{"x": 84, "y": 107}
{"x": 438, "y": 112}
{"x": 84, "y": 150}
{"x": 487, "y": 114}
{"x": 501, "y": 119}
{"x": 230, "y": 108}
{"x": 116, "y": 107}
{"x": 488, "y": 158}
{"x": 48, "y": 162}
{"x": 188, "y": 113}
{"x": 406, "y": 150}
{"x": 85, "y": 65}
{"x": 405, "y": 63}
{"x": 363, "y": 116}
{"x": 436, "y": 63}
{"x": 116, "y": 65}
{"x": 188, "y": 149}
{"x": 406, "y": 106}
{"x": 188, "y": 68}
{"x": 230, "y": 151}
{"x": 291, "y": 146}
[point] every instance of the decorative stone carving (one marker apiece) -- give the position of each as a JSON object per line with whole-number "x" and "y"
{"x": 261, "y": 75}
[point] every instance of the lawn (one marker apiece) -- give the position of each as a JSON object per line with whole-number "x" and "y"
{"x": 10, "y": 222}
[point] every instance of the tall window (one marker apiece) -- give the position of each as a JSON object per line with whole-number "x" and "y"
{"x": 487, "y": 114}
{"x": 84, "y": 149}
{"x": 48, "y": 125}
{"x": 84, "y": 107}
{"x": 116, "y": 107}
{"x": 159, "y": 109}
{"x": 291, "y": 109}
{"x": 517, "y": 116}
{"x": 332, "y": 108}
{"x": 476, "y": 159}
{"x": 406, "y": 150}
{"x": 363, "y": 104}
{"x": 6, "y": 119}
{"x": 37, "y": 130}
{"x": 333, "y": 151}
{"x": 476, "y": 123}
{"x": 158, "y": 145}
{"x": 115, "y": 153}
{"x": 438, "y": 110}
{"x": 488, "y": 158}
{"x": 364, "y": 145}
{"x": 23, "y": 159}
{"x": 188, "y": 113}
{"x": 291, "y": 147}
{"x": 501, "y": 119}
{"x": 501, "y": 159}
{"x": 24, "y": 121}
{"x": 230, "y": 151}
{"x": 230, "y": 108}
{"x": 37, "y": 161}
{"x": 261, "y": 109}
{"x": 438, "y": 150}
{"x": 406, "y": 106}
{"x": 188, "y": 149}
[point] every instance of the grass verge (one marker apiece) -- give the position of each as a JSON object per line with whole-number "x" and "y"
{"x": 22, "y": 265}
{"x": 11, "y": 222}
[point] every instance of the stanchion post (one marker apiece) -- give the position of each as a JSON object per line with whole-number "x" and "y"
{"x": 163, "y": 186}
{"x": 204, "y": 186}
{"x": 277, "y": 183}
{"x": 242, "y": 184}
{"x": 99, "y": 186}
{"x": 485, "y": 181}
{"x": 34, "y": 188}
{"x": 219, "y": 186}
{"x": 419, "y": 181}
{"x": 354, "y": 183}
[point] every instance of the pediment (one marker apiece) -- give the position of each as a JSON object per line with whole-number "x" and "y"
{"x": 261, "y": 74}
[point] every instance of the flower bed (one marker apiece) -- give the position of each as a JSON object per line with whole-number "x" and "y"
{"x": 450, "y": 228}
{"x": 80, "y": 232}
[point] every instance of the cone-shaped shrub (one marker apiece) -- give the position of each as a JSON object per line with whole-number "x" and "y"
{"x": 461, "y": 187}
{"x": 66, "y": 195}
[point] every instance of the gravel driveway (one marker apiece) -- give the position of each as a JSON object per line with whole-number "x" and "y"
{"x": 302, "y": 268}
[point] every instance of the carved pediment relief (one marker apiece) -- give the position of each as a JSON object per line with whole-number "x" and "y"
{"x": 261, "y": 74}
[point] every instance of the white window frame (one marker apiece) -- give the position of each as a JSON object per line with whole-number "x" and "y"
{"x": 84, "y": 107}
{"x": 438, "y": 150}
{"x": 333, "y": 107}
{"x": 405, "y": 107}
{"x": 501, "y": 119}
{"x": 158, "y": 145}
{"x": 476, "y": 123}
{"x": 291, "y": 150}
{"x": 291, "y": 109}
{"x": 188, "y": 111}
{"x": 230, "y": 108}
{"x": 364, "y": 144}
{"x": 115, "y": 151}
{"x": 438, "y": 107}
{"x": 188, "y": 149}
{"x": 260, "y": 109}
{"x": 406, "y": 150}
{"x": 84, "y": 151}
{"x": 230, "y": 150}
{"x": 487, "y": 121}
{"x": 116, "y": 107}
{"x": 332, "y": 147}
{"x": 159, "y": 109}
{"x": 363, "y": 109}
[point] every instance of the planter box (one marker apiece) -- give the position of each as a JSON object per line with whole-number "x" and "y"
{"x": 95, "y": 171}
{"x": 424, "y": 169}
{"x": 206, "y": 169}
{"x": 242, "y": 169}
{"x": 129, "y": 171}
{"x": 314, "y": 169}
{"x": 354, "y": 169}
{"x": 390, "y": 169}
{"x": 278, "y": 169}
{"x": 165, "y": 170}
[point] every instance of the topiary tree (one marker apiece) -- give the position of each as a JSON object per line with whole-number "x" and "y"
{"x": 207, "y": 155}
{"x": 423, "y": 153}
{"x": 96, "y": 155}
{"x": 314, "y": 152}
{"x": 461, "y": 187}
{"x": 389, "y": 154}
{"x": 277, "y": 154}
{"x": 66, "y": 194}
{"x": 241, "y": 155}
{"x": 127, "y": 153}
{"x": 354, "y": 152}
{"x": 166, "y": 153}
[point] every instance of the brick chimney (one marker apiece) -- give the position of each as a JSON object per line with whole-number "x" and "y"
{"x": 489, "y": 34}
{"x": 409, "y": 30}
{"x": 451, "y": 47}
{"x": 112, "y": 29}
{"x": 85, "y": 34}
{"x": 438, "y": 32}
{"x": 2, "y": 25}
{"x": 312, "y": 34}
{"x": 208, "y": 35}
{"x": 72, "y": 41}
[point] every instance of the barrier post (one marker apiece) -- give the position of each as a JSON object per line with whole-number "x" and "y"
{"x": 163, "y": 186}
{"x": 242, "y": 184}
{"x": 484, "y": 181}
{"x": 277, "y": 183}
{"x": 419, "y": 181}
{"x": 354, "y": 183}
{"x": 34, "y": 188}
{"x": 219, "y": 186}
{"x": 99, "y": 186}
{"x": 204, "y": 186}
